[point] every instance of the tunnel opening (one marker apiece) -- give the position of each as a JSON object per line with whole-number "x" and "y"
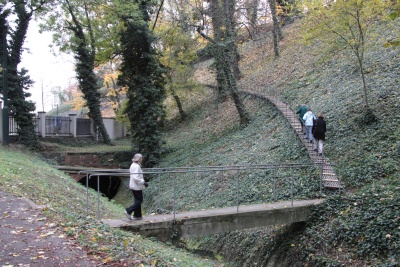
{"x": 108, "y": 185}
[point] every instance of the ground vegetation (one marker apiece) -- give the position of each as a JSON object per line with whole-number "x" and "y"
{"x": 358, "y": 227}
{"x": 350, "y": 233}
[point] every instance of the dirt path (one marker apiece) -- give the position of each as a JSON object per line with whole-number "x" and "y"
{"x": 28, "y": 238}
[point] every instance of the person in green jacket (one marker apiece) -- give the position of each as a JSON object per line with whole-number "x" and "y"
{"x": 302, "y": 109}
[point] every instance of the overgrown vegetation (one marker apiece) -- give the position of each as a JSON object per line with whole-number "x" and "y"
{"x": 359, "y": 228}
{"x": 16, "y": 81}
{"x": 143, "y": 74}
{"x": 365, "y": 152}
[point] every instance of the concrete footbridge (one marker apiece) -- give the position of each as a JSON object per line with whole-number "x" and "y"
{"x": 276, "y": 180}
{"x": 211, "y": 221}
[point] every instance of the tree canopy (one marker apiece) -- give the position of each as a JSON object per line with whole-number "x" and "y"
{"x": 347, "y": 24}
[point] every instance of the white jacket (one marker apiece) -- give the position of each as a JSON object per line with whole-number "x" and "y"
{"x": 308, "y": 118}
{"x": 136, "y": 181}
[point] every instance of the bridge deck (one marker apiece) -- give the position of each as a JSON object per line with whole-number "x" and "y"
{"x": 194, "y": 223}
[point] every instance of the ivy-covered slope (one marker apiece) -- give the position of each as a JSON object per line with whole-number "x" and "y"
{"x": 331, "y": 84}
{"x": 358, "y": 228}
{"x": 362, "y": 227}
{"x": 213, "y": 137}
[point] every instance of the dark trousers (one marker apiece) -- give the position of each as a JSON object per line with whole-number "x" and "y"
{"x": 136, "y": 208}
{"x": 303, "y": 127}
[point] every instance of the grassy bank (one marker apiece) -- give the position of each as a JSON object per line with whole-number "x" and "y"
{"x": 24, "y": 174}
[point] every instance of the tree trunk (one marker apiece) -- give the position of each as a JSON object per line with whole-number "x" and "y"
{"x": 20, "y": 108}
{"x": 359, "y": 51}
{"x": 272, "y": 6}
{"x": 230, "y": 77}
{"x": 85, "y": 56}
{"x": 217, "y": 23}
{"x": 233, "y": 53}
{"x": 360, "y": 62}
{"x": 253, "y": 13}
{"x": 220, "y": 51}
{"x": 178, "y": 103}
{"x": 144, "y": 75}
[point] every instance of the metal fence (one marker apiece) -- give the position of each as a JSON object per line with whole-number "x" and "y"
{"x": 194, "y": 188}
{"x": 13, "y": 125}
{"x": 83, "y": 126}
{"x": 36, "y": 124}
{"x": 57, "y": 125}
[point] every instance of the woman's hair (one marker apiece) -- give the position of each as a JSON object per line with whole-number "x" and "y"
{"x": 137, "y": 157}
{"x": 321, "y": 115}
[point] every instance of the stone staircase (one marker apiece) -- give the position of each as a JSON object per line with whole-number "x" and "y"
{"x": 329, "y": 178}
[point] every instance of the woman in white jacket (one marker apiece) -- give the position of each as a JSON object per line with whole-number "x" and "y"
{"x": 308, "y": 119}
{"x": 136, "y": 184}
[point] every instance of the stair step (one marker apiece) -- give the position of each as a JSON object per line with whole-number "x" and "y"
{"x": 333, "y": 185}
{"x": 330, "y": 180}
{"x": 328, "y": 174}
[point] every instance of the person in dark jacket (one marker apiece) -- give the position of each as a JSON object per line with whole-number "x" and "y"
{"x": 318, "y": 131}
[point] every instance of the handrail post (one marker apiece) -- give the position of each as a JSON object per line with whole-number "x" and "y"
{"x": 237, "y": 191}
{"x": 291, "y": 188}
{"x": 98, "y": 197}
{"x": 159, "y": 193}
{"x": 321, "y": 168}
{"x": 174, "y": 197}
{"x": 274, "y": 190}
{"x": 339, "y": 184}
{"x": 87, "y": 194}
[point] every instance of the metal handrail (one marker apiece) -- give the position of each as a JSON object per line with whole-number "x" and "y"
{"x": 208, "y": 168}
{"x": 197, "y": 169}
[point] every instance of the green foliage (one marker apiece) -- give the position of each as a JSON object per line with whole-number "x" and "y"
{"x": 179, "y": 51}
{"x": 21, "y": 109}
{"x": 360, "y": 227}
{"x": 142, "y": 73}
{"x": 78, "y": 29}
{"x": 364, "y": 153}
{"x": 368, "y": 117}
{"x": 83, "y": 145}
{"x": 18, "y": 81}
{"x": 346, "y": 25}
{"x": 267, "y": 142}
{"x": 341, "y": 233}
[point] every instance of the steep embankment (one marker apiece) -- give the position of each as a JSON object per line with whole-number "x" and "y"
{"x": 359, "y": 228}
{"x": 67, "y": 223}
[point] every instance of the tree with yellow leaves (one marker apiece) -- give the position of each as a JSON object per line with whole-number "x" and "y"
{"x": 346, "y": 24}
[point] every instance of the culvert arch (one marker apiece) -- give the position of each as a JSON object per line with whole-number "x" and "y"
{"x": 107, "y": 185}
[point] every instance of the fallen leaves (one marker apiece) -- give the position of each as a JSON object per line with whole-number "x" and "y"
{"x": 27, "y": 237}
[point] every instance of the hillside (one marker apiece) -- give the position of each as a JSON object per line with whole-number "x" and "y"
{"x": 357, "y": 228}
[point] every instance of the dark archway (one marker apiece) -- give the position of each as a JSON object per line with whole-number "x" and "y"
{"x": 109, "y": 185}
